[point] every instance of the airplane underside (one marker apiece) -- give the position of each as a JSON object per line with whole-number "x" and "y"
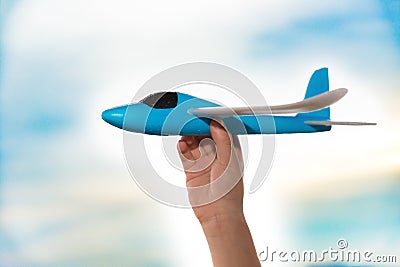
{"x": 240, "y": 125}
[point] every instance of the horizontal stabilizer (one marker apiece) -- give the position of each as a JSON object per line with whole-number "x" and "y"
{"x": 329, "y": 123}
{"x": 307, "y": 105}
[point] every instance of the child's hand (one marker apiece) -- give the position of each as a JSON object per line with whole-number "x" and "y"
{"x": 222, "y": 219}
{"x": 202, "y": 166}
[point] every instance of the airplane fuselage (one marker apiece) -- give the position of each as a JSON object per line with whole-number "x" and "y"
{"x": 141, "y": 118}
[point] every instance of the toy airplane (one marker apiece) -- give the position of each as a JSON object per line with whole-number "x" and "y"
{"x": 174, "y": 113}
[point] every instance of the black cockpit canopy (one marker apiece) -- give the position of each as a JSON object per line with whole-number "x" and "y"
{"x": 161, "y": 100}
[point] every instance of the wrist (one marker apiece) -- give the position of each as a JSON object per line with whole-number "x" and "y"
{"x": 229, "y": 240}
{"x": 221, "y": 224}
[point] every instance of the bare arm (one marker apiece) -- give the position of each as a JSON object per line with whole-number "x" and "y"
{"x": 223, "y": 221}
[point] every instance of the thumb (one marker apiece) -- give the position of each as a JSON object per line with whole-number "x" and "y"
{"x": 222, "y": 141}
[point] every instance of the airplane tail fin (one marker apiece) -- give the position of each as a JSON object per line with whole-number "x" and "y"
{"x": 318, "y": 84}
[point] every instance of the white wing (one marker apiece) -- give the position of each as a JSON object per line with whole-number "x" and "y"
{"x": 329, "y": 123}
{"x": 307, "y": 105}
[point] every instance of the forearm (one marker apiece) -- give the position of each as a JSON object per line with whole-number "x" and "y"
{"x": 230, "y": 241}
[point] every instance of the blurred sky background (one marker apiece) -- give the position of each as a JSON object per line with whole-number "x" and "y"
{"x": 66, "y": 196}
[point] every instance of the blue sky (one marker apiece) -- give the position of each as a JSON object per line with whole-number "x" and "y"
{"x": 64, "y": 185}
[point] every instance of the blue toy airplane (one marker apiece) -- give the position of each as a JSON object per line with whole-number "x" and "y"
{"x": 174, "y": 113}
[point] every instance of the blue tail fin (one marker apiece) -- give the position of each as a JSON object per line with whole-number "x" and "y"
{"x": 318, "y": 84}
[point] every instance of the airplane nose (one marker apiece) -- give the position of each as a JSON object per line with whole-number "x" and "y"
{"x": 115, "y": 116}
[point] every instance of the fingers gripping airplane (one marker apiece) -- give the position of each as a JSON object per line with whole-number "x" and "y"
{"x": 174, "y": 113}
